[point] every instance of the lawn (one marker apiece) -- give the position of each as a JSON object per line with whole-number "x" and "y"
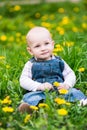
{"x": 67, "y": 23}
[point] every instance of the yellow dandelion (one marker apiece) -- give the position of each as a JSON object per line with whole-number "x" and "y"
{"x": 2, "y": 57}
{"x": 37, "y": 15}
{"x": 55, "y": 50}
{"x": 55, "y": 53}
{"x": 34, "y": 108}
{"x": 43, "y": 105}
{"x": 69, "y": 44}
{"x": 7, "y": 66}
{"x": 11, "y": 39}
{"x": 60, "y": 30}
{"x": 82, "y": 69}
{"x": 46, "y": 24}
{"x": 68, "y": 103}
{"x": 61, "y": 10}
{"x": 0, "y": 17}
{"x": 3, "y": 38}
{"x": 23, "y": 38}
{"x": 7, "y": 109}
{"x": 18, "y": 39}
{"x": 56, "y": 84}
{"x": 27, "y": 118}
{"x": 65, "y": 20}
{"x": 30, "y": 24}
{"x": 62, "y": 112}
{"x": 60, "y": 101}
{"x": 18, "y": 34}
{"x": 58, "y": 48}
{"x": 84, "y": 17}
{"x": 84, "y": 25}
{"x": 6, "y": 100}
{"x": 75, "y": 29}
{"x": 44, "y": 18}
{"x": 17, "y": 8}
{"x": 52, "y": 17}
{"x": 63, "y": 91}
{"x": 76, "y": 9}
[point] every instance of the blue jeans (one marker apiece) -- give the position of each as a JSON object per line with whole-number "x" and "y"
{"x": 33, "y": 98}
{"x": 74, "y": 95}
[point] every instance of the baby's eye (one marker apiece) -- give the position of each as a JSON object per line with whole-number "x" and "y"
{"x": 37, "y": 46}
{"x": 46, "y": 43}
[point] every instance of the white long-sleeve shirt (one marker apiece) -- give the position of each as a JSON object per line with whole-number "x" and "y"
{"x": 27, "y": 83}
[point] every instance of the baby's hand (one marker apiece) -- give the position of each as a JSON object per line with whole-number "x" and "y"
{"x": 63, "y": 86}
{"x": 45, "y": 86}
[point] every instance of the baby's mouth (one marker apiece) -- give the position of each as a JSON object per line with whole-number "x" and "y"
{"x": 44, "y": 53}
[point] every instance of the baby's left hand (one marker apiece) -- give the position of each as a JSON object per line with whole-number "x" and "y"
{"x": 63, "y": 86}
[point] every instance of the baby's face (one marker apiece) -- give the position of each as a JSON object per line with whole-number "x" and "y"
{"x": 41, "y": 46}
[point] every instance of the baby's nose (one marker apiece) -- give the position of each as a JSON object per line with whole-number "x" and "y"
{"x": 43, "y": 48}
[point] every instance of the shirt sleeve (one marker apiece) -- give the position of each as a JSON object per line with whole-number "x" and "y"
{"x": 26, "y": 81}
{"x": 69, "y": 75}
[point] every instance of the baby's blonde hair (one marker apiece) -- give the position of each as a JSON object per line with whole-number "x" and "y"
{"x": 36, "y": 30}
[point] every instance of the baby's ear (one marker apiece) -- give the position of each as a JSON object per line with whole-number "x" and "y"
{"x": 29, "y": 50}
{"x": 53, "y": 42}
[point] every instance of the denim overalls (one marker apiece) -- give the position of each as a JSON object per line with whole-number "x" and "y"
{"x": 49, "y": 71}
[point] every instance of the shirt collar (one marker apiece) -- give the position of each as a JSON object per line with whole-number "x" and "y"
{"x": 52, "y": 57}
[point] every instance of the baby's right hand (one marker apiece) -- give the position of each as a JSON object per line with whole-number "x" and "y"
{"x": 45, "y": 86}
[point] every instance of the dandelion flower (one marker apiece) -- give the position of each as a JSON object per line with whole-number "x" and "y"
{"x": 58, "y": 48}
{"x": 63, "y": 91}
{"x": 56, "y": 84}
{"x": 3, "y": 38}
{"x": 84, "y": 25}
{"x": 76, "y": 9}
{"x": 43, "y": 105}
{"x": 2, "y": 57}
{"x": 0, "y": 17}
{"x": 44, "y": 17}
{"x": 34, "y": 108}
{"x": 69, "y": 44}
{"x": 11, "y": 39}
{"x": 52, "y": 16}
{"x": 65, "y": 20}
{"x": 81, "y": 69}
{"x": 61, "y": 10}
{"x": 7, "y": 109}
{"x": 60, "y": 101}
{"x": 62, "y": 112}
{"x": 37, "y": 15}
{"x": 75, "y": 29}
{"x": 7, "y": 66}
{"x": 60, "y": 30}
{"x": 18, "y": 34}
{"x": 68, "y": 103}
{"x": 27, "y": 118}
{"x": 6, "y": 100}
{"x": 46, "y": 24}
{"x": 17, "y": 8}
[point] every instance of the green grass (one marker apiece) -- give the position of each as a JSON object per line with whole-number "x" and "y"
{"x": 66, "y": 27}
